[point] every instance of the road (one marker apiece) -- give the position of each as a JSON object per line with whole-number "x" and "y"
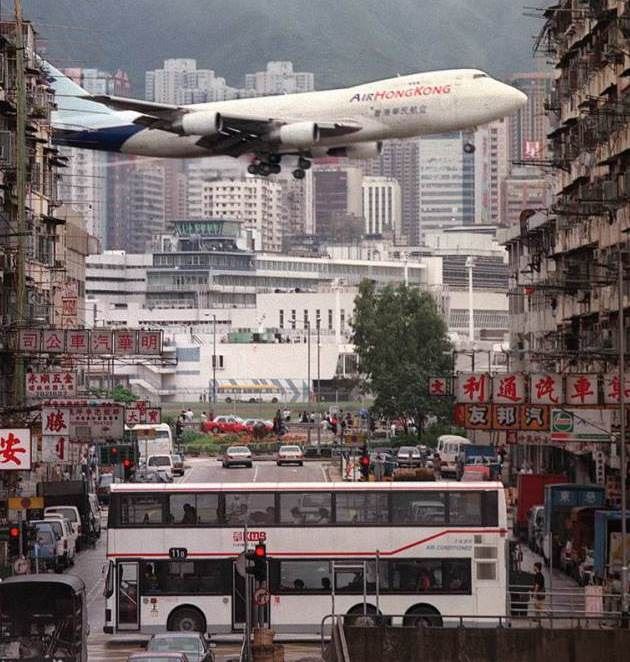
{"x": 90, "y": 564}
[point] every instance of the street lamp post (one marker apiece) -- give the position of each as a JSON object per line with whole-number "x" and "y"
{"x": 214, "y": 361}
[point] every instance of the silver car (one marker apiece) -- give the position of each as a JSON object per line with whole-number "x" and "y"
{"x": 409, "y": 456}
{"x": 235, "y": 455}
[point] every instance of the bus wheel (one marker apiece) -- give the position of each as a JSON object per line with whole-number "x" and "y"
{"x": 357, "y": 618}
{"x": 423, "y": 616}
{"x": 186, "y": 619}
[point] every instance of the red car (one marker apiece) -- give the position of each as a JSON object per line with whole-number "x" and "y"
{"x": 221, "y": 424}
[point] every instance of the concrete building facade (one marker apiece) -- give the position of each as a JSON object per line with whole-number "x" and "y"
{"x": 382, "y": 206}
{"x": 279, "y": 78}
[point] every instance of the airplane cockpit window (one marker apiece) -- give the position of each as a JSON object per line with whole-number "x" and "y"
{"x": 480, "y": 76}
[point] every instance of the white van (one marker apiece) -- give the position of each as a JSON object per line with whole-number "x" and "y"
{"x": 161, "y": 463}
{"x": 71, "y": 513}
{"x": 449, "y": 447}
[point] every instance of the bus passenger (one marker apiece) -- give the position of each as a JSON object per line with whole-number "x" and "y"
{"x": 190, "y": 514}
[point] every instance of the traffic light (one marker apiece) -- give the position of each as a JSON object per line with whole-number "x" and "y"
{"x": 127, "y": 468}
{"x": 14, "y": 541}
{"x": 364, "y": 462}
{"x": 259, "y": 566}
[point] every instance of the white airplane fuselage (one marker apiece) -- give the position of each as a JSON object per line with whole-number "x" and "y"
{"x": 401, "y": 107}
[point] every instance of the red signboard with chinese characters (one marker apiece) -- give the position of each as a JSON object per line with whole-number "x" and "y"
{"x": 140, "y": 411}
{"x": 505, "y": 417}
{"x": 438, "y": 386}
{"x": 478, "y": 417}
{"x": 15, "y": 449}
{"x": 612, "y": 388}
{"x": 81, "y": 420}
{"x": 51, "y": 384}
{"x": 546, "y": 389}
{"x": 54, "y": 449}
{"x": 95, "y": 341}
{"x": 473, "y": 388}
{"x": 581, "y": 390}
{"x": 509, "y": 388}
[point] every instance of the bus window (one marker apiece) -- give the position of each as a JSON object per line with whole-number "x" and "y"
{"x": 141, "y": 509}
{"x": 419, "y": 508}
{"x": 364, "y": 507}
{"x": 464, "y": 508}
{"x": 305, "y": 508}
{"x": 253, "y": 509}
{"x": 305, "y": 577}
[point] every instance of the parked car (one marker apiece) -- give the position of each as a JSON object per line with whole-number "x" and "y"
{"x": 409, "y": 456}
{"x": 220, "y": 424}
{"x": 71, "y": 513}
{"x": 105, "y": 481}
{"x": 235, "y": 455}
{"x": 290, "y": 455}
{"x": 62, "y": 537}
{"x": 46, "y": 548}
{"x": 67, "y": 526}
{"x": 178, "y": 465}
{"x": 193, "y": 644}
{"x": 162, "y": 462}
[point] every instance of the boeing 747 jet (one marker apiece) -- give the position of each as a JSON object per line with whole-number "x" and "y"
{"x": 349, "y": 122}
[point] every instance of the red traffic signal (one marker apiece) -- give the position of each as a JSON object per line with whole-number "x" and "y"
{"x": 365, "y": 460}
{"x": 127, "y": 463}
{"x": 14, "y": 532}
{"x": 260, "y": 551}
{"x": 113, "y": 450}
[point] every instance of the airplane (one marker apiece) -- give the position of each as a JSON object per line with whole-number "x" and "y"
{"x": 351, "y": 122}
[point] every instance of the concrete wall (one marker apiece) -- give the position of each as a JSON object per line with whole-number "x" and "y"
{"x": 486, "y": 645}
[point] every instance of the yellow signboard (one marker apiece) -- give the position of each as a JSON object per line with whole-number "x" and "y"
{"x": 26, "y": 503}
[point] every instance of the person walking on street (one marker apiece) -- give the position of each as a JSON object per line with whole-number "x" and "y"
{"x": 538, "y": 590}
{"x": 379, "y": 467}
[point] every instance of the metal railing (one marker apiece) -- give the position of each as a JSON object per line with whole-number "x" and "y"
{"x": 543, "y": 620}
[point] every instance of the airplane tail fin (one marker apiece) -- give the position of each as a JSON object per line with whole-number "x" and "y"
{"x": 75, "y": 110}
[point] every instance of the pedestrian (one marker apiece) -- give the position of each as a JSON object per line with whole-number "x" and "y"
{"x": 189, "y": 414}
{"x": 379, "y": 467}
{"x": 538, "y": 589}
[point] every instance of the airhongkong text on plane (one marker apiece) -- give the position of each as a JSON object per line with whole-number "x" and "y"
{"x": 418, "y": 91}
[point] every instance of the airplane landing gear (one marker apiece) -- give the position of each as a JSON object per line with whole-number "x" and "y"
{"x": 303, "y": 164}
{"x": 266, "y": 168}
{"x": 469, "y": 148}
{"x": 298, "y": 173}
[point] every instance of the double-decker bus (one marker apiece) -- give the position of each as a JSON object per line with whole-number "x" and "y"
{"x": 423, "y": 551}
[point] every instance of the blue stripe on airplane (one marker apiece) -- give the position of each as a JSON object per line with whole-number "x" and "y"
{"x": 109, "y": 139}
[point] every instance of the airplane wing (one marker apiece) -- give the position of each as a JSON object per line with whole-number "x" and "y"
{"x": 239, "y": 133}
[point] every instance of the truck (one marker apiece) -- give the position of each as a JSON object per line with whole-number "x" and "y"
{"x": 474, "y": 454}
{"x": 152, "y": 439}
{"x": 560, "y": 501}
{"x": 73, "y": 493}
{"x": 530, "y": 492}
{"x": 607, "y": 544}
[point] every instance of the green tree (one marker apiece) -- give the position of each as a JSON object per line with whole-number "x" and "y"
{"x": 400, "y": 339}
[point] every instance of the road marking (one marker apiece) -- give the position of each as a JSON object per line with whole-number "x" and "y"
{"x": 255, "y": 472}
{"x": 321, "y": 466}
{"x": 91, "y": 596}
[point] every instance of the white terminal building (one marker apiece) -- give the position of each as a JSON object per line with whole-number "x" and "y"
{"x": 253, "y": 310}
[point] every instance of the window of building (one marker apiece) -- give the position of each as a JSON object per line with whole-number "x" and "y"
{"x": 293, "y": 319}
{"x": 281, "y": 319}
{"x": 305, "y": 318}
{"x": 342, "y": 320}
{"x": 330, "y": 320}
{"x": 318, "y": 318}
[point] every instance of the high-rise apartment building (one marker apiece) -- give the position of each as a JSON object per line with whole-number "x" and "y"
{"x": 447, "y": 181}
{"x": 530, "y": 125}
{"x": 279, "y": 78}
{"x": 523, "y": 189}
{"x": 491, "y": 168}
{"x": 337, "y": 190}
{"x": 381, "y": 206}
{"x": 254, "y": 201}
{"x": 297, "y": 204}
{"x": 180, "y": 82}
{"x": 200, "y": 171}
{"x": 84, "y": 181}
{"x": 399, "y": 159}
{"x": 137, "y": 204}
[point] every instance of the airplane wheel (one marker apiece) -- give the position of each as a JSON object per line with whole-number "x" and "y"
{"x": 264, "y": 169}
{"x": 298, "y": 173}
{"x": 469, "y": 148}
{"x": 252, "y": 169}
{"x": 304, "y": 164}
{"x": 275, "y": 159}
{"x": 275, "y": 169}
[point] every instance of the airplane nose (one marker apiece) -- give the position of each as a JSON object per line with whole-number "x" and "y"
{"x": 513, "y": 99}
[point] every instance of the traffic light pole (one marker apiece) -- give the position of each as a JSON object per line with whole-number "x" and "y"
{"x": 247, "y": 647}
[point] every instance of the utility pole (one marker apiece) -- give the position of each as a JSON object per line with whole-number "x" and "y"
{"x": 319, "y": 399}
{"x": 308, "y": 377}
{"x": 622, "y": 428}
{"x": 20, "y": 184}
